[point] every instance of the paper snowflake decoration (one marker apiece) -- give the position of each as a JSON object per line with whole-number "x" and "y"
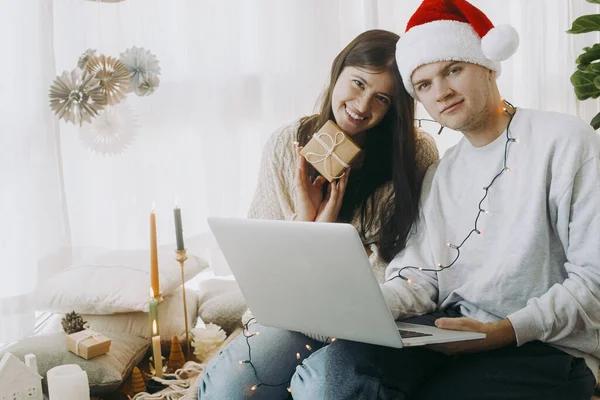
{"x": 113, "y": 76}
{"x": 84, "y": 58}
{"x": 76, "y": 97}
{"x": 112, "y": 131}
{"x": 142, "y": 65}
{"x": 147, "y": 86}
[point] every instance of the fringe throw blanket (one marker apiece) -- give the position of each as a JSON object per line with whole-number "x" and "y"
{"x": 187, "y": 379}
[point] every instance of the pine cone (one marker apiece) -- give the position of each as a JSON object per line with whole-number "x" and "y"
{"x": 73, "y": 322}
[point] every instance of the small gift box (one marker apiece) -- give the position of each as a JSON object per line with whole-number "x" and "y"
{"x": 330, "y": 151}
{"x": 88, "y": 344}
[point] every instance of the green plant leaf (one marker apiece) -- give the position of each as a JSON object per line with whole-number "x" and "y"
{"x": 594, "y": 1}
{"x": 589, "y": 55}
{"x": 586, "y": 23}
{"x": 591, "y": 68}
{"x": 583, "y": 82}
{"x": 596, "y": 122}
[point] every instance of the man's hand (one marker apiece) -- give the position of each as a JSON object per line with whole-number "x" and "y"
{"x": 498, "y": 334}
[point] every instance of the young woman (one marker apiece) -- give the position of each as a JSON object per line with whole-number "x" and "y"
{"x": 378, "y": 194}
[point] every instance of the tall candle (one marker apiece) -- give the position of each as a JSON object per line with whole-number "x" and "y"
{"x": 178, "y": 228}
{"x": 156, "y": 353}
{"x": 153, "y": 314}
{"x": 153, "y": 255}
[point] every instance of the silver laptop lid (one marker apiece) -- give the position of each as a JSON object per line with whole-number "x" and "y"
{"x": 307, "y": 277}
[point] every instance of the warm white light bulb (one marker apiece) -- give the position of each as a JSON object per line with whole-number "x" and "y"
{"x": 253, "y": 387}
{"x": 507, "y": 169}
{"x": 308, "y": 347}
{"x": 289, "y": 389}
{"x": 297, "y": 356}
{"x": 411, "y": 281}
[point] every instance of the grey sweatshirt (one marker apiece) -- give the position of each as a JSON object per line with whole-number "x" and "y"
{"x": 537, "y": 261}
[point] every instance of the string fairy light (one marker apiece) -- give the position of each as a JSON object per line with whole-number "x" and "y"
{"x": 505, "y": 168}
{"x": 440, "y": 267}
{"x": 429, "y": 120}
{"x": 247, "y": 334}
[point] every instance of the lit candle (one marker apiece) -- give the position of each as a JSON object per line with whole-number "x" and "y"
{"x": 153, "y": 255}
{"x": 156, "y": 353}
{"x": 178, "y": 227}
{"x": 153, "y": 314}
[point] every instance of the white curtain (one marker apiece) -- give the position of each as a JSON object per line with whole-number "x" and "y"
{"x": 232, "y": 72}
{"x": 34, "y": 225}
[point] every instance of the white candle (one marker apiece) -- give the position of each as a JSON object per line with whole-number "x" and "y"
{"x": 68, "y": 382}
{"x": 156, "y": 353}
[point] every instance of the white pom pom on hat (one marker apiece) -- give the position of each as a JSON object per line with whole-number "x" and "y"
{"x": 452, "y": 30}
{"x": 500, "y": 43}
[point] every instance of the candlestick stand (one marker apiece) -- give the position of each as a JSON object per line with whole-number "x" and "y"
{"x": 158, "y": 297}
{"x": 181, "y": 256}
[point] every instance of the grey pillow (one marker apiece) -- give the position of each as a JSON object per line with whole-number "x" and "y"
{"x": 105, "y": 373}
{"x": 221, "y": 302}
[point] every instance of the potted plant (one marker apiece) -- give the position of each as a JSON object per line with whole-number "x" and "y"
{"x": 586, "y": 79}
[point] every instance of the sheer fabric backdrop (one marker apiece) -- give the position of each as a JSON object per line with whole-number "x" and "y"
{"x": 232, "y": 72}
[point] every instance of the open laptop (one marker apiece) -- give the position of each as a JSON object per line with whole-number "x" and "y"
{"x": 316, "y": 278}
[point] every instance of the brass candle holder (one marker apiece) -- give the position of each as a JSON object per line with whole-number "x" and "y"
{"x": 181, "y": 256}
{"x": 158, "y": 297}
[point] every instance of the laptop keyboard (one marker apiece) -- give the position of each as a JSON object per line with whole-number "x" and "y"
{"x": 412, "y": 334}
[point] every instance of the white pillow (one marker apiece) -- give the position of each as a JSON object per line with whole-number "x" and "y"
{"x": 114, "y": 282}
{"x": 170, "y": 317}
{"x": 221, "y": 302}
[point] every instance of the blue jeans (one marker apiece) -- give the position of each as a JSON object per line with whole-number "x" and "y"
{"x": 357, "y": 371}
{"x": 274, "y": 355}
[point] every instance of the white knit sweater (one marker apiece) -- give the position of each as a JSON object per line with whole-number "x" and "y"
{"x": 275, "y": 193}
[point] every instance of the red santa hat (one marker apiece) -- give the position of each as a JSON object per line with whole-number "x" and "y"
{"x": 452, "y": 30}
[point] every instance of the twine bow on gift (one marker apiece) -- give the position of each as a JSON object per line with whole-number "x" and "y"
{"x": 88, "y": 334}
{"x": 330, "y": 151}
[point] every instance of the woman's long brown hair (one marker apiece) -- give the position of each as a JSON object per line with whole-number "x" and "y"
{"x": 389, "y": 148}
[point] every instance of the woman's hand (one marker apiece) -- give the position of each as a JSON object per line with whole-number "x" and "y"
{"x": 309, "y": 195}
{"x": 330, "y": 207}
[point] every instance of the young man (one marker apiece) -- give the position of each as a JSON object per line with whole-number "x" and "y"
{"x": 508, "y": 241}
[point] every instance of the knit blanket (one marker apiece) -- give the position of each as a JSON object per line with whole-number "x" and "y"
{"x": 186, "y": 380}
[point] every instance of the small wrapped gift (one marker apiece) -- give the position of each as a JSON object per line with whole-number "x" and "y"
{"x": 330, "y": 151}
{"x": 88, "y": 344}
